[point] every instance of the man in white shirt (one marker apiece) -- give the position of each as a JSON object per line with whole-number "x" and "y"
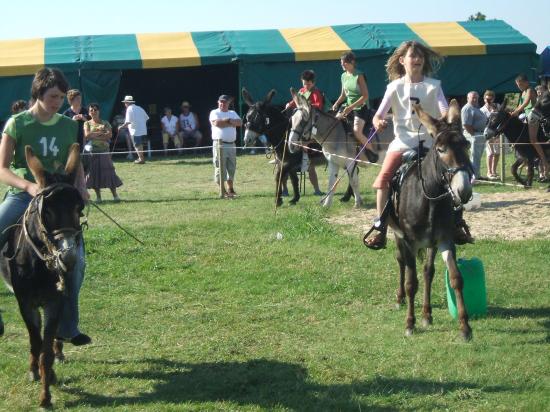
{"x": 170, "y": 127}
{"x": 136, "y": 122}
{"x": 224, "y": 135}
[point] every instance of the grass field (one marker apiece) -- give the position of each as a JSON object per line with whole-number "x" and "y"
{"x": 215, "y": 313}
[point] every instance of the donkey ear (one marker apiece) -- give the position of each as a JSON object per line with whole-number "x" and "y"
{"x": 73, "y": 162}
{"x": 270, "y": 96}
{"x": 35, "y": 166}
{"x": 247, "y": 97}
{"x": 453, "y": 115}
{"x": 428, "y": 121}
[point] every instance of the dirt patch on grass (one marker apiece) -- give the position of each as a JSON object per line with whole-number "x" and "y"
{"x": 511, "y": 215}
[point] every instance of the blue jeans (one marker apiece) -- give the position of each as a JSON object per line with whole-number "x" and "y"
{"x": 11, "y": 210}
{"x": 477, "y": 146}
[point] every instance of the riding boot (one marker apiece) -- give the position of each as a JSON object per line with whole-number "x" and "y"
{"x": 462, "y": 233}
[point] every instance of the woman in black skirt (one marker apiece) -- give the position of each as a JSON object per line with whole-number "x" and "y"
{"x": 101, "y": 173}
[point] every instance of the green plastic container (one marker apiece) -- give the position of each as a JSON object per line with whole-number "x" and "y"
{"x": 474, "y": 291}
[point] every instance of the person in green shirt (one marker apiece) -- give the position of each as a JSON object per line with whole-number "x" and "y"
{"x": 355, "y": 94}
{"x": 50, "y": 135}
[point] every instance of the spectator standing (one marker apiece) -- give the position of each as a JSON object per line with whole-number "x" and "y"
{"x": 224, "y": 124}
{"x": 101, "y": 173}
{"x": 189, "y": 127}
{"x": 170, "y": 127}
{"x": 136, "y": 122}
{"x": 527, "y": 101}
{"x": 492, "y": 146}
{"x": 474, "y": 122}
{"x": 77, "y": 112}
{"x": 50, "y": 135}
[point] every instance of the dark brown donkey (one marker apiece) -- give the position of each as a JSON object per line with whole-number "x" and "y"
{"x": 423, "y": 213}
{"x": 40, "y": 253}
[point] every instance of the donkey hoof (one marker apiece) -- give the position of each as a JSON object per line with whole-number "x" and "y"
{"x": 426, "y": 322}
{"x": 34, "y": 376}
{"x": 53, "y": 378}
{"x": 466, "y": 335}
{"x": 46, "y": 403}
{"x": 279, "y": 202}
{"x": 409, "y": 332}
{"x": 292, "y": 202}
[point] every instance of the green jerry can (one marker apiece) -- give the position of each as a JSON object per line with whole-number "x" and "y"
{"x": 475, "y": 291}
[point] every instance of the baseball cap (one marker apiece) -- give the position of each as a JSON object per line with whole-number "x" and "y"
{"x": 224, "y": 98}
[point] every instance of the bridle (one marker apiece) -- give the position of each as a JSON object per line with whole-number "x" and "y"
{"x": 49, "y": 253}
{"x": 306, "y": 125}
{"x": 259, "y": 122}
{"x": 446, "y": 176}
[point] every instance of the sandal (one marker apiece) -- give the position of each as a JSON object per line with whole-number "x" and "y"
{"x": 378, "y": 241}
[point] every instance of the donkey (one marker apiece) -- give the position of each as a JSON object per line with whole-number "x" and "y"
{"x": 264, "y": 118}
{"x": 40, "y": 253}
{"x": 422, "y": 213}
{"x": 338, "y": 148}
{"x": 517, "y": 133}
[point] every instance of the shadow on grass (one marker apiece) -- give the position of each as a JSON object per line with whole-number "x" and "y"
{"x": 533, "y": 313}
{"x": 264, "y": 383}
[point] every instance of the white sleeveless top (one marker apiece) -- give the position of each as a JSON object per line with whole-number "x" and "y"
{"x": 401, "y": 95}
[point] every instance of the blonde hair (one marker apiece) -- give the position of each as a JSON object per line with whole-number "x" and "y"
{"x": 432, "y": 59}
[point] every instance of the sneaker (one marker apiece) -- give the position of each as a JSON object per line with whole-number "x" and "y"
{"x": 139, "y": 162}
{"x": 318, "y": 193}
{"x": 231, "y": 193}
{"x": 274, "y": 161}
{"x": 284, "y": 192}
{"x": 81, "y": 339}
{"x": 130, "y": 156}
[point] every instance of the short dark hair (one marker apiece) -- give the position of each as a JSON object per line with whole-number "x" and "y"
{"x": 348, "y": 57}
{"x": 308, "y": 75}
{"x": 94, "y": 106}
{"x": 18, "y": 106}
{"x": 522, "y": 77}
{"x": 47, "y": 78}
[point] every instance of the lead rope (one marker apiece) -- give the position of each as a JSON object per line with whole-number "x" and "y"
{"x": 280, "y": 173}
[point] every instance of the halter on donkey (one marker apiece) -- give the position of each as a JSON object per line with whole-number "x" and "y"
{"x": 424, "y": 215}
{"x": 338, "y": 147}
{"x": 264, "y": 118}
{"x": 39, "y": 255}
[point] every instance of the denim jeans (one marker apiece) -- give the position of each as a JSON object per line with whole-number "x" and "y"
{"x": 477, "y": 146}
{"x": 11, "y": 210}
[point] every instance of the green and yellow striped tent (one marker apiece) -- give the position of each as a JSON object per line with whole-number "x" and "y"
{"x": 479, "y": 55}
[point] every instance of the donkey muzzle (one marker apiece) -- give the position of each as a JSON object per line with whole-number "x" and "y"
{"x": 461, "y": 187}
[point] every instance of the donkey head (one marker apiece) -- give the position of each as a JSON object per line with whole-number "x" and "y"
{"x": 59, "y": 205}
{"x": 497, "y": 121}
{"x": 450, "y": 149}
{"x": 257, "y": 119}
{"x": 299, "y": 121}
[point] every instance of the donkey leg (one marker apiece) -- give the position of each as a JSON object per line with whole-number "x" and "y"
{"x": 1, "y": 325}
{"x": 530, "y": 172}
{"x": 401, "y": 287}
{"x": 514, "y": 170}
{"x": 457, "y": 284}
{"x": 295, "y": 187}
{"x": 52, "y": 313}
{"x": 429, "y": 271}
{"x": 332, "y": 176}
{"x": 354, "y": 182}
{"x": 278, "y": 189}
{"x": 411, "y": 287}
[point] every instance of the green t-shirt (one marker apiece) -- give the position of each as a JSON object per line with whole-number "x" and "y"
{"x": 98, "y": 145}
{"x": 350, "y": 84}
{"x": 50, "y": 142}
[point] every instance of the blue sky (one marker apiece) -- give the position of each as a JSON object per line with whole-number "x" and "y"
{"x": 62, "y": 18}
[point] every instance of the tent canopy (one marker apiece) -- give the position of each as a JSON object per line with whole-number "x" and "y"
{"x": 480, "y": 54}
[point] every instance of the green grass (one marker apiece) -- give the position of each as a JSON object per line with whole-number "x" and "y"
{"x": 215, "y": 313}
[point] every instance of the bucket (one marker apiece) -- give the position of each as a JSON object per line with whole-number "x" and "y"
{"x": 474, "y": 291}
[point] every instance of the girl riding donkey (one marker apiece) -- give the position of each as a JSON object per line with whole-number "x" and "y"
{"x": 407, "y": 70}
